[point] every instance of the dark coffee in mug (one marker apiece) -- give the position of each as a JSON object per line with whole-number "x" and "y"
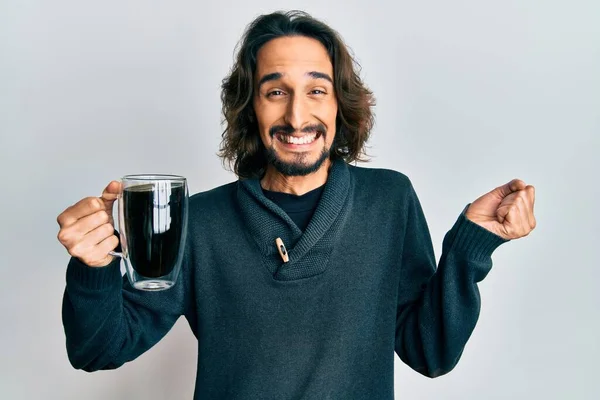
{"x": 153, "y": 215}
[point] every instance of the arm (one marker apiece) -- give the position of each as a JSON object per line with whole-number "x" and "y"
{"x": 438, "y": 307}
{"x": 107, "y": 322}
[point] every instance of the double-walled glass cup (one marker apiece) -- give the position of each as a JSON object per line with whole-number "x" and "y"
{"x": 153, "y": 217}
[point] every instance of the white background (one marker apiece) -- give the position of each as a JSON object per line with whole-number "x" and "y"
{"x": 470, "y": 95}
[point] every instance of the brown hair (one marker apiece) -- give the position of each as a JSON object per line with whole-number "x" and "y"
{"x": 241, "y": 145}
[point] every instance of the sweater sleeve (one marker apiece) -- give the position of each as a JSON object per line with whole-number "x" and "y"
{"x": 107, "y": 322}
{"x": 438, "y": 307}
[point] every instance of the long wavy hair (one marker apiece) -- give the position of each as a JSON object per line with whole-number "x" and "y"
{"x": 241, "y": 147}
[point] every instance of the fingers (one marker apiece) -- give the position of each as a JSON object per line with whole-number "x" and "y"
{"x": 529, "y": 204}
{"x": 516, "y": 184}
{"x": 513, "y": 216}
{"x": 526, "y": 200}
{"x": 86, "y": 227}
{"x": 531, "y": 193}
{"x": 107, "y": 245}
{"x": 516, "y": 212}
{"x": 98, "y": 256}
{"x": 510, "y": 187}
{"x": 111, "y": 192}
{"x": 522, "y": 223}
{"x": 90, "y": 205}
{"x": 82, "y": 208}
{"x": 505, "y": 206}
{"x": 90, "y": 240}
{"x": 75, "y": 233}
{"x": 93, "y": 248}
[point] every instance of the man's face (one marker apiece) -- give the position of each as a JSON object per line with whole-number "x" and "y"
{"x": 295, "y": 103}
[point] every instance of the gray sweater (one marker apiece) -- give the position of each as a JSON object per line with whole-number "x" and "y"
{"x": 361, "y": 283}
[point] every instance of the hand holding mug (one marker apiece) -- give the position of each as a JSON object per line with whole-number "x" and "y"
{"x": 87, "y": 228}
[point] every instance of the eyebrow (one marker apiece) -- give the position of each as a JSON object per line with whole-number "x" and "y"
{"x": 278, "y": 75}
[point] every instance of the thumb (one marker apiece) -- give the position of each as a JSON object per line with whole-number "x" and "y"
{"x": 110, "y": 194}
{"x": 510, "y": 187}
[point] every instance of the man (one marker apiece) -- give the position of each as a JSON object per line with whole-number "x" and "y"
{"x": 360, "y": 280}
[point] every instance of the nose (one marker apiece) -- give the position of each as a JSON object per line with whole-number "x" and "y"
{"x": 297, "y": 112}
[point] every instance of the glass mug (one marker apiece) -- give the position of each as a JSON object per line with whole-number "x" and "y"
{"x": 153, "y": 217}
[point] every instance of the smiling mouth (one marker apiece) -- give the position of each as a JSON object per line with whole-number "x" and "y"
{"x": 302, "y": 140}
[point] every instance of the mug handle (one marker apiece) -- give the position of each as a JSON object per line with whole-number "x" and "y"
{"x": 116, "y": 233}
{"x": 114, "y": 252}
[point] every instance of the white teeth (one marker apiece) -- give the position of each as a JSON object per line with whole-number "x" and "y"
{"x": 295, "y": 140}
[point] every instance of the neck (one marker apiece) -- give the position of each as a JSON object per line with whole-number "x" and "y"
{"x": 275, "y": 181}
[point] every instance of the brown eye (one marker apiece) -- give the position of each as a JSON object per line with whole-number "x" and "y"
{"x": 274, "y": 93}
{"x": 317, "y": 91}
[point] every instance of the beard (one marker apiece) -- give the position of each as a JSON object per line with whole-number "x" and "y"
{"x": 299, "y": 166}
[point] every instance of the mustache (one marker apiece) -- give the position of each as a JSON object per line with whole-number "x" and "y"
{"x": 288, "y": 129}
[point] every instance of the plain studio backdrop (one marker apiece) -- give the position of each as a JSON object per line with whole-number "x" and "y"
{"x": 470, "y": 95}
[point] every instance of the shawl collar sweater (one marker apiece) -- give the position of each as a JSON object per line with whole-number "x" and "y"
{"x": 309, "y": 251}
{"x": 362, "y": 283}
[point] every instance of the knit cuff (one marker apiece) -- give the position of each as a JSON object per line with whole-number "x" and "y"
{"x": 474, "y": 241}
{"x": 94, "y": 278}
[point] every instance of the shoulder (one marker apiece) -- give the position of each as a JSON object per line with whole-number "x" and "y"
{"x": 382, "y": 194}
{"x": 219, "y": 197}
{"x": 377, "y": 179}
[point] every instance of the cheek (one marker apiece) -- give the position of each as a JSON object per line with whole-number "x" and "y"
{"x": 266, "y": 115}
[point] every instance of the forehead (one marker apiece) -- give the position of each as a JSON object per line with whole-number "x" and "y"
{"x": 293, "y": 54}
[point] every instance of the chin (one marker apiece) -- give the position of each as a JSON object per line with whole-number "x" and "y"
{"x": 301, "y": 164}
